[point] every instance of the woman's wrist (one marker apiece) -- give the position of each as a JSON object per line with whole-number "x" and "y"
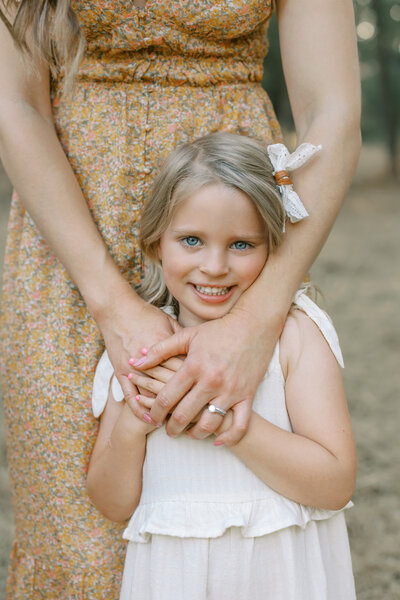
{"x": 107, "y": 290}
{"x": 267, "y": 301}
{"x": 262, "y": 319}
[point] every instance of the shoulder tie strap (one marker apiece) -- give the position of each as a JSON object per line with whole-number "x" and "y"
{"x": 321, "y": 320}
{"x": 103, "y": 376}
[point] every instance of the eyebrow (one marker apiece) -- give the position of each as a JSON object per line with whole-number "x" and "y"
{"x": 196, "y": 232}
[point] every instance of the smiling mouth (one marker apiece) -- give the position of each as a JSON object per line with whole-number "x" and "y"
{"x": 212, "y": 290}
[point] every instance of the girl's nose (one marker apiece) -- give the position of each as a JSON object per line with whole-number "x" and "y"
{"x": 214, "y": 264}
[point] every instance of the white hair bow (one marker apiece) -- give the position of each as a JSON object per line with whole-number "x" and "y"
{"x": 282, "y": 162}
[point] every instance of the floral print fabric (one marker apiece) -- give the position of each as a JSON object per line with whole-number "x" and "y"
{"x": 151, "y": 79}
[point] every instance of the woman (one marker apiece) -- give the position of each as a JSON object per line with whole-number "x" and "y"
{"x": 81, "y": 163}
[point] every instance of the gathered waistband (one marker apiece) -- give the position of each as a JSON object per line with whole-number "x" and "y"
{"x": 170, "y": 69}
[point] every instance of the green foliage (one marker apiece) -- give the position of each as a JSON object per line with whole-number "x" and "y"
{"x": 273, "y": 80}
{"x": 378, "y": 35}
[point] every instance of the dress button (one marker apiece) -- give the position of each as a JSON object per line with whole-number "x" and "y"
{"x": 147, "y": 127}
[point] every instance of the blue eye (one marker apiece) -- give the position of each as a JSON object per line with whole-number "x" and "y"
{"x": 239, "y": 245}
{"x": 191, "y": 240}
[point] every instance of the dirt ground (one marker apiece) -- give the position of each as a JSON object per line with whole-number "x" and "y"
{"x": 358, "y": 273}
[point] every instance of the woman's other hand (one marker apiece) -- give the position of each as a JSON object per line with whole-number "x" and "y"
{"x": 153, "y": 380}
{"x": 128, "y": 325}
{"x": 226, "y": 360}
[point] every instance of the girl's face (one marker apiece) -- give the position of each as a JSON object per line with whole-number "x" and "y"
{"x": 212, "y": 251}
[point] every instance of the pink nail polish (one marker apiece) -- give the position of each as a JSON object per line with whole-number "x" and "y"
{"x": 131, "y": 361}
{"x": 139, "y": 362}
{"x": 218, "y": 443}
{"x": 147, "y": 418}
{"x": 144, "y": 351}
{"x": 130, "y": 376}
{"x": 137, "y": 398}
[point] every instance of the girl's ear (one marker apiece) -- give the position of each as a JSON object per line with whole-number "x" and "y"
{"x": 159, "y": 252}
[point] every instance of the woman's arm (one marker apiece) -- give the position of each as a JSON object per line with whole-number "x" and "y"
{"x": 41, "y": 174}
{"x": 227, "y": 358}
{"x": 48, "y": 189}
{"x": 114, "y": 479}
{"x": 316, "y": 464}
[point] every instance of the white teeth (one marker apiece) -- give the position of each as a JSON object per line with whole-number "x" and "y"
{"x": 212, "y": 291}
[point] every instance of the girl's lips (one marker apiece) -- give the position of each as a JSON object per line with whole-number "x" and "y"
{"x": 213, "y": 299}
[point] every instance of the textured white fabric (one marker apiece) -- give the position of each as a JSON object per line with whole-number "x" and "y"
{"x": 101, "y": 384}
{"x": 282, "y": 160}
{"x": 207, "y": 528}
{"x": 291, "y": 564}
{"x": 193, "y": 492}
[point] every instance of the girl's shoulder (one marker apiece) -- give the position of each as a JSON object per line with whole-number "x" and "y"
{"x": 307, "y": 330}
{"x": 297, "y": 330}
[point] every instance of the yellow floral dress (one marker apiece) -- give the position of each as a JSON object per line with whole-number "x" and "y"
{"x": 151, "y": 79}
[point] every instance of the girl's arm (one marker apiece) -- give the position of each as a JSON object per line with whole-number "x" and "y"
{"x": 114, "y": 479}
{"x": 316, "y": 464}
{"x": 228, "y": 358}
{"x": 48, "y": 189}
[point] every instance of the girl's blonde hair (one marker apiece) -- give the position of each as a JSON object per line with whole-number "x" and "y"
{"x": 235, "y": 161}
{"x": 53, "y": 31}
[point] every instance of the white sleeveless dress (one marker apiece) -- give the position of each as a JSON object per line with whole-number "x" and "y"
{"x": 207, "y": 528}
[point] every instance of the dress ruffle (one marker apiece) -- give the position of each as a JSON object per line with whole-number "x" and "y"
{"x": 211, "y": 519}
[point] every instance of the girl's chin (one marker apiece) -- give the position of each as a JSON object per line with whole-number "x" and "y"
{"x": 199, "y": 315}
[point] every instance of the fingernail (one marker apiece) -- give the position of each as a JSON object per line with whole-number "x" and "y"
{"x": 137, "y": 398}
{"x": 131, "y": 361}
{"x": 140, "y": 361}
{"x": 147, "y": 418}
{"x": 130, "y": 376}
{"x": 144, "y": 351}
{"x": 218, "y": 443}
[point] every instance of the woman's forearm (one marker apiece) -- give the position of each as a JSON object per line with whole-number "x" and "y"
{"x": 295, "y": 466}
{"x": 49, "y": 190}
{"x": 322, "y": 186}
{"x": 319, "y": 55}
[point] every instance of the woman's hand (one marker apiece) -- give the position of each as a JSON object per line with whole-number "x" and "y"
{"x": 153, "y": 380}
{"x": 127, "y": 326}
{"x": 226, "y": 360}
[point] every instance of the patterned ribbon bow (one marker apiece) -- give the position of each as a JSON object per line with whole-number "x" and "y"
{"x": 282, "y": 162}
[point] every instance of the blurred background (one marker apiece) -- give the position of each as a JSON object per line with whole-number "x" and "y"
{"x": 378, "y": 34}
{"x": 358, "y": 271}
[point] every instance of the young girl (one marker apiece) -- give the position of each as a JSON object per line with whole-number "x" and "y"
{"x": 262, "y": 519}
